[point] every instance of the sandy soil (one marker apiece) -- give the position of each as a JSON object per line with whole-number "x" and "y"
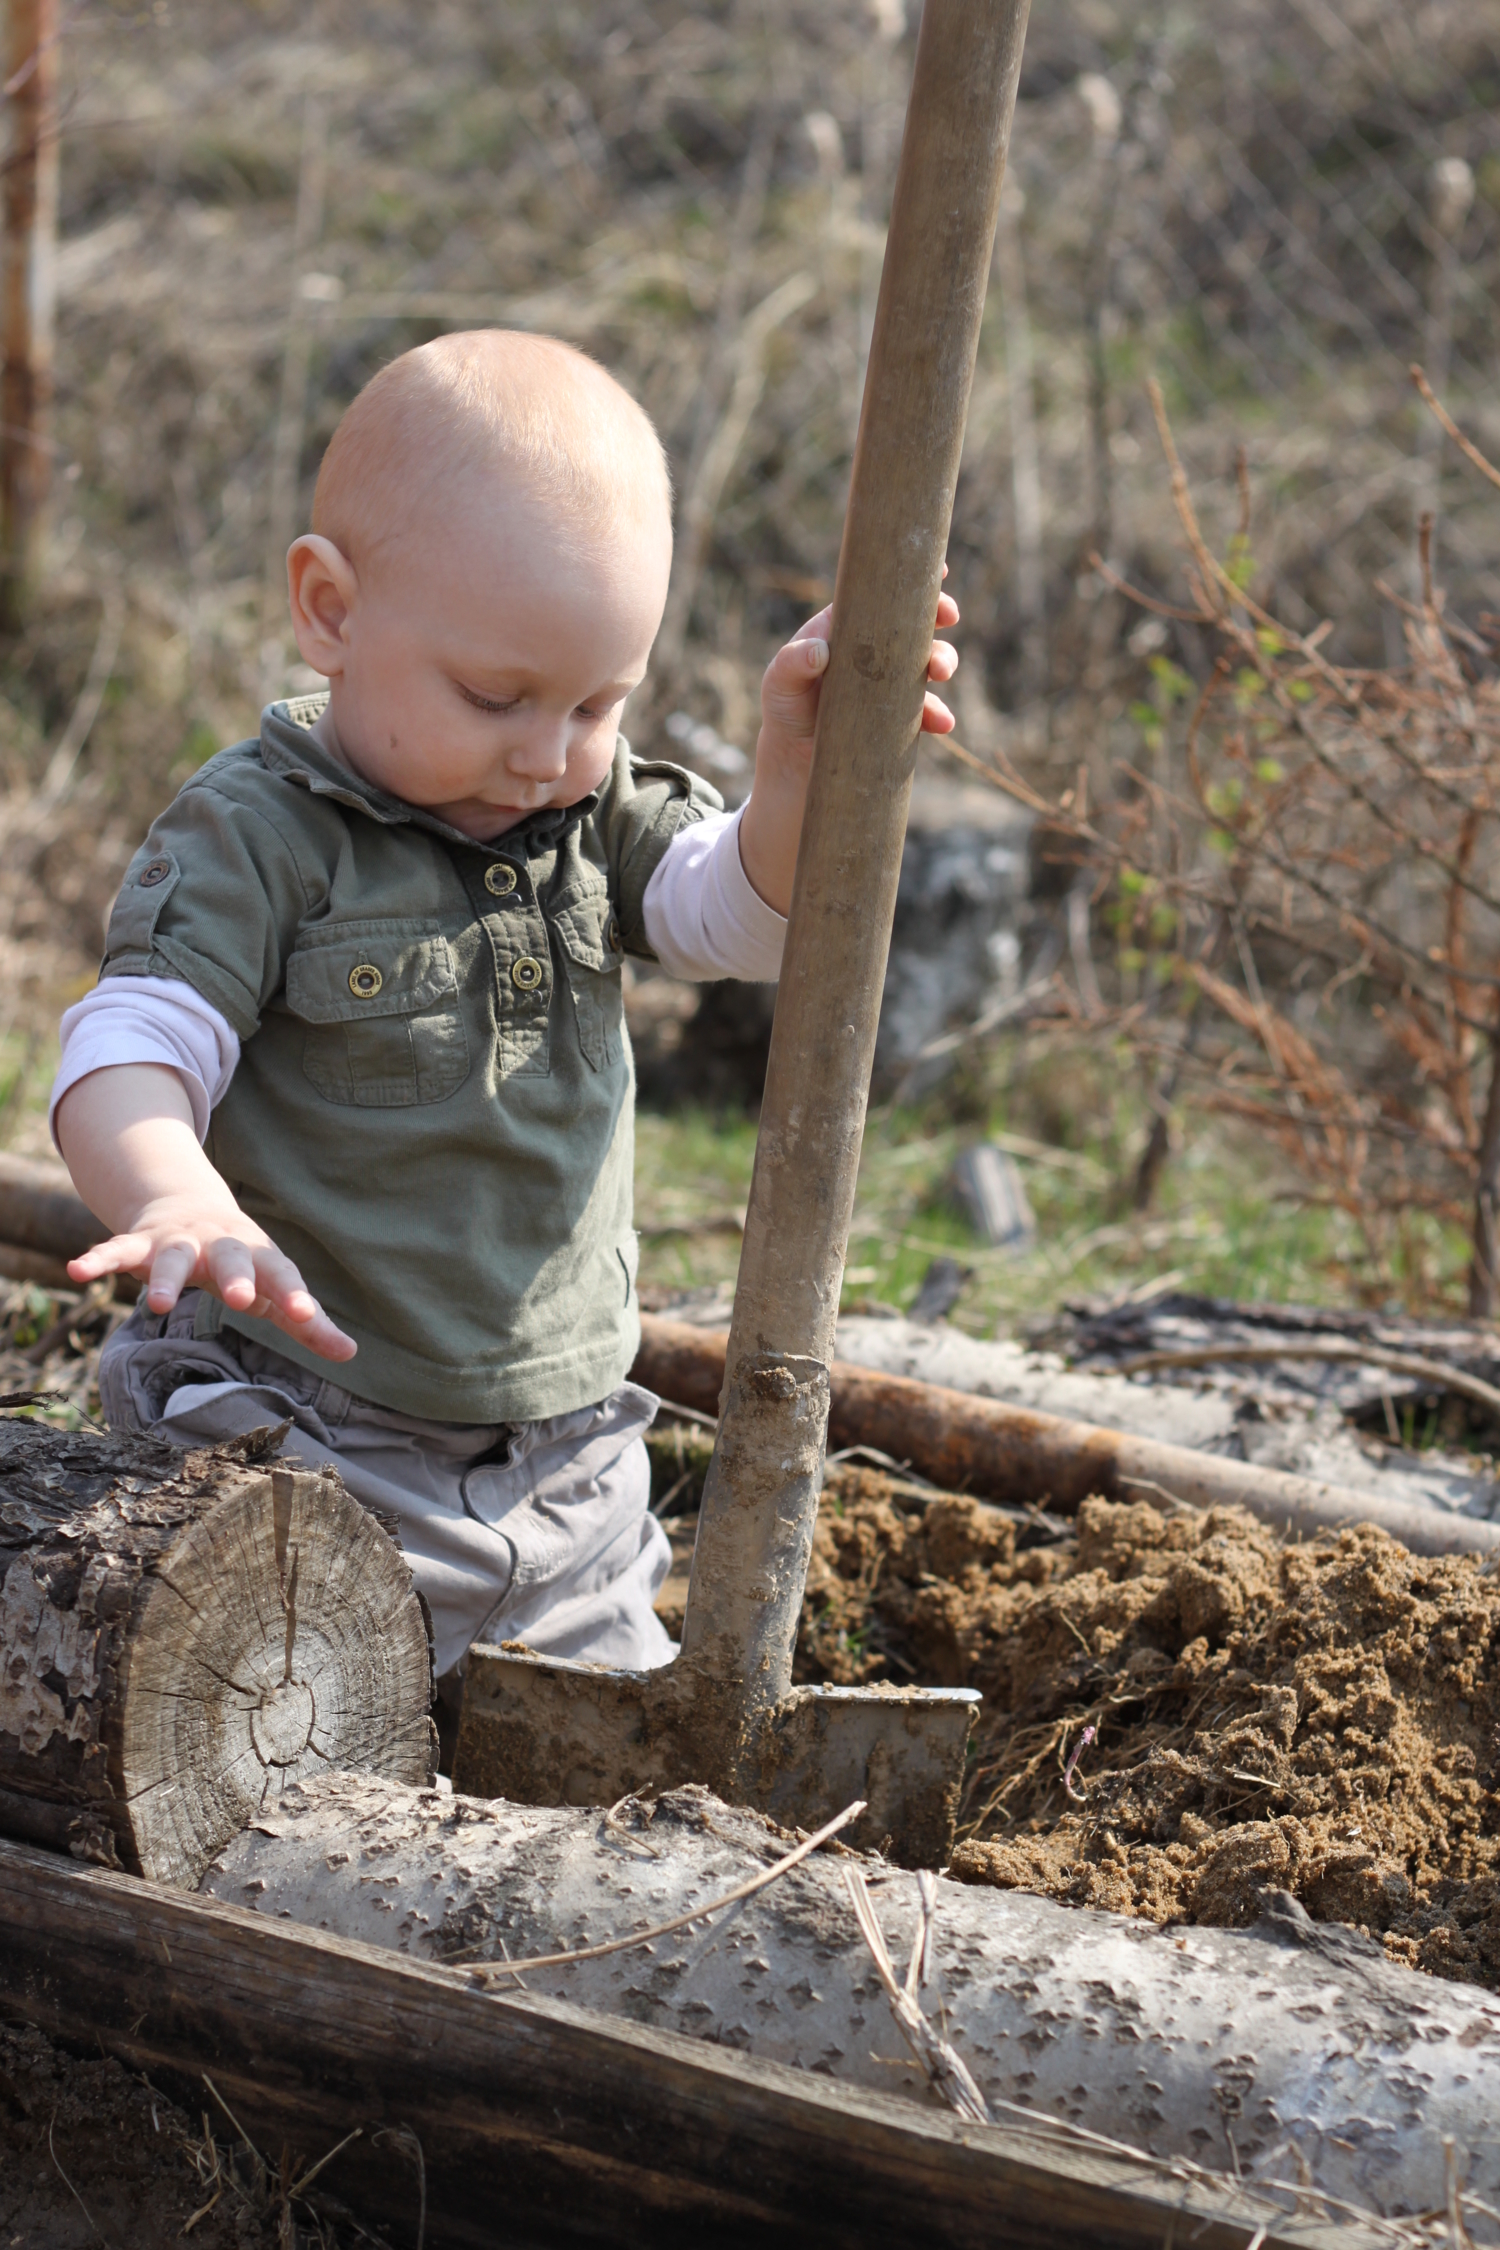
{"x": 1323, "y": 1719}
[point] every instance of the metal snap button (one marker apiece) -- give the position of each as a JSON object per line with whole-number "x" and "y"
{"x": 526, "y": 974}
{"x": 612, "y": 935}
{"x": 365, "y": 980}
{"x": 156, "y": 872}
{"x": 500, "y": 879}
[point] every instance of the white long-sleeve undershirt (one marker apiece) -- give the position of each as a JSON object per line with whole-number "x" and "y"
{"x": 703, "y": 920}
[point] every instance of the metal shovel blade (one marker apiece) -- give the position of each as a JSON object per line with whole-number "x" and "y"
{"x": 545, "y": 1731}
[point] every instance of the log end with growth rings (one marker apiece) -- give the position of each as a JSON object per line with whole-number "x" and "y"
{"x": 278, "y": 1637}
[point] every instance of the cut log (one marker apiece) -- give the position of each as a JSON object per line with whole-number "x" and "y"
{"x": 525, "y": 2120}
{"x": 1240, "y": 2050}
{"x": 1021, "y": 1457}
{"x": 181, "y": 1635}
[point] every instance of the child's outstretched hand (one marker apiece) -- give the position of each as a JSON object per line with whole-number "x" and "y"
{"x": 128, "y": 1135}
{"x": 771, "y": 826}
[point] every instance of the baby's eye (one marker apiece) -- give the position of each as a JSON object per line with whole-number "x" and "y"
{"x": 487, "y": 702}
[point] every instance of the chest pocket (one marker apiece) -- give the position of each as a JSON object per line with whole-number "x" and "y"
{"x": 590, "y": 939}
{"x": 380, "y": 1000}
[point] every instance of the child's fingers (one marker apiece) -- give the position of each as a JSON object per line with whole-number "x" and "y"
{"x": 796, "y": 662}
{"x": 314, "y": 1331}
{"x": 788, "y": 693}
{"x": 947, "y": 610}
{"x": 121, "y": 1254}
{"x": 230, "y": 1267}
{"x": 279, "y": 1282}
{"x": 284, "y": 1298}
{"x": 936, "y": 716}
{"x": 943, "y": 662}
{"x": 171, "y": 1267}
{"x": 317, "y": 1335}
{"x": 816, "y": 628}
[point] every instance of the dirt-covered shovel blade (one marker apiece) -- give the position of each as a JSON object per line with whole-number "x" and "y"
{"x": 725, "y": 1712}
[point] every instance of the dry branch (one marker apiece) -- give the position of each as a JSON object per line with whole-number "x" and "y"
{"x": 1015, "y": 1454}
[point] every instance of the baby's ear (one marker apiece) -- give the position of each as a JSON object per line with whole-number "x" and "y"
{"x": 321, "y": 589}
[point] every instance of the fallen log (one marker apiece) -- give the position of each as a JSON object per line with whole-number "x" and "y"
{"x": 181, "y": 1634}
{"x": 1294, "y": 2051}
{"x": 961, "y": 1442}
{"x": 487, "y": 2111}
{"x": 1013, "y": 1454}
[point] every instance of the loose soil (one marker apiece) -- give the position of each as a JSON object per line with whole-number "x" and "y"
{"x": 89, "y": 2154}
{"x": 1322, "y": 1719}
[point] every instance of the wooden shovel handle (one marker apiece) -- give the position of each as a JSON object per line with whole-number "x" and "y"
{"x": 755, "y": 1532}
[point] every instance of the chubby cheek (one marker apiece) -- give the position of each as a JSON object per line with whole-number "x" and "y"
{"x": 590, "y": 760}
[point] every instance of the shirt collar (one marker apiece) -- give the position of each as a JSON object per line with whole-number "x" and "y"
{"x": 288, "y": 748}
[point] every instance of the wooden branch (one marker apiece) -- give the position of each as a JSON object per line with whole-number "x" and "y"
{"x": 40, "y": 1213}
{"x": 1414, "y": 1364}
{"x": 1011, "y": 1453}
{"x": 579, "y": 2128}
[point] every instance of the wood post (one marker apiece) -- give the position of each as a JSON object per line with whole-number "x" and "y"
{"x": 29, "y": 296}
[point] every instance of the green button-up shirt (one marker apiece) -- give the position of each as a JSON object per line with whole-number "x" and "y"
{"x": 433, "y": 1108}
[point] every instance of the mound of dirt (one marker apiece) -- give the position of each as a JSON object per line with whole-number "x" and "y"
{"x": 1322, "y": 1719}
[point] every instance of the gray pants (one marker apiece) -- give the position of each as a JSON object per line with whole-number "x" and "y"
{"x": 522, "y": 1531}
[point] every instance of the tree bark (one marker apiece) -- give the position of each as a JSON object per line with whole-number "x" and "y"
{"x": 181, "y": 1635}
{"x": 1220, "y": 2046}
{"x": 1015, "y": 1454}
{"x": 557, "y": 2124}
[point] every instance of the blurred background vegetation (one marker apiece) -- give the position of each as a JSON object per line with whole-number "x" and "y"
{"x": 1273, "y": 205}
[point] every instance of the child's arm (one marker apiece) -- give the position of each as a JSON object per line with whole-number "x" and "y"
{"x": 127, "y": 1133}
{"x": 771, "y": 824}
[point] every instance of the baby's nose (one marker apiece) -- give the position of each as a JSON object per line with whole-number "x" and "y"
{"x": 542, "y": 753}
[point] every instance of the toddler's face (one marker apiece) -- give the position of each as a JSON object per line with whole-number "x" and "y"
{"x": 479, "y": 664}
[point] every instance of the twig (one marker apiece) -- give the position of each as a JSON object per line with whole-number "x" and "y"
{"x": 239, "y": 2128}
{"x": 680, "y": 1921}
{"x": 947, "y": 2072}
{"x": 1370, "y": 1355}
{"x": 404, "y": 2138}
{"x": 67, "y": 2183}
{"x": 1459, "y": 2236}
{"x": 1466, "y": 446}
{"x": 1079, "y": 1796}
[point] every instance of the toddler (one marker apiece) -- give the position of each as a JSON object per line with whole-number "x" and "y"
{"x": 354, "y": 1090}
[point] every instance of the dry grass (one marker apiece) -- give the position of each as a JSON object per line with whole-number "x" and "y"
{"x": 698, "y": 198}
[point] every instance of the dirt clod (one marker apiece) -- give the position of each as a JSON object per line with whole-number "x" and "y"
{"x": 1322, "y": 1719}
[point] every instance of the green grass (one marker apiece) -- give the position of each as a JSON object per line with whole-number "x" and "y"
{"x": 1229, "y": 1218}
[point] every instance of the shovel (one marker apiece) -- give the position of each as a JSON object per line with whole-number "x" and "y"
{"x": 539, "y": 1730}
